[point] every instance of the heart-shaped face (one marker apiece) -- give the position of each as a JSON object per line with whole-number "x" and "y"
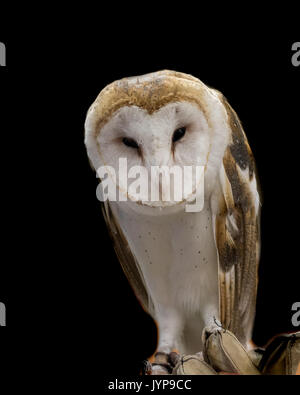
{"x": 157, "y": 159}
{"x": 156, "y": 152}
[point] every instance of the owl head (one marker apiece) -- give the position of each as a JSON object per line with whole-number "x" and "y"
{"x": 156, "y": 121}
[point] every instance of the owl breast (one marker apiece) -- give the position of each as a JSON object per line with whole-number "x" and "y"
{"x": 177, "y": 256}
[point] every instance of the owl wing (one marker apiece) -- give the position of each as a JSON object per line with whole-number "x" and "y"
{"x": 126, "y": 258}
{"x": 237, "y": 236}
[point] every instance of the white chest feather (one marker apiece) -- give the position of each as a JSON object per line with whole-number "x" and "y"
{"x": 177, "y": 256}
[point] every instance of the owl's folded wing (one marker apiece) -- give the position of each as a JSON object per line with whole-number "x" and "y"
{"x": 237, "y": 233}
{"x": 126, "y": 258}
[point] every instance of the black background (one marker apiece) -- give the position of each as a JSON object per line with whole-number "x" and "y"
{"x": 64, "y": 289}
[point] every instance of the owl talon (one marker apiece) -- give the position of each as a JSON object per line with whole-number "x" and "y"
{"x": 210, "y": 329}
{"x": 147, "y": 368}
{"x": 164, "y": 363}
{"x": 161, "y": 368}
{"x": 173, "y": 358}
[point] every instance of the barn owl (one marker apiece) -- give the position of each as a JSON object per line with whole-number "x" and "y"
{"x": 189, "y": 270}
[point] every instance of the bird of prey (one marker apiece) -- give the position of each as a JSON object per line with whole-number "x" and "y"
{"x": 189, "y": 270}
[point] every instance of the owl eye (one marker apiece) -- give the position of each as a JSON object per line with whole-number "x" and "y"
{"x": 178, "y": 134}
{"x": 130, "y": 142}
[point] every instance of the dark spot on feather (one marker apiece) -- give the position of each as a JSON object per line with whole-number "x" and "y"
{"x": 239, "y": 148}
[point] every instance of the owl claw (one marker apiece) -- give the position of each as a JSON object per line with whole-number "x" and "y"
{"x": 208, "y": 330}
{"x": 164, "y": 363}
{"x": 147, "y": 368}
{"x": 173, "y": 358}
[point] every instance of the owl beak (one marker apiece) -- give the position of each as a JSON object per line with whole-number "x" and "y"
{"x": 158, "y": 157}
{"x": 157, "y": 180}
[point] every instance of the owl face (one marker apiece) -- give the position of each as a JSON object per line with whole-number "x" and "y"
{"x": 177, "y": 135}
{"x": 164, "y": 120}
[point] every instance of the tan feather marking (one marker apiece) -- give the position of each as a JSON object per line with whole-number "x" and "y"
{"x": 238, "y": 270}
{"x": 227, "y": 287}
{"x": 149, "y": 92}
{"x": 228, "y": 299}
{"x": 232, "y": 291}
{"x": 225, "y": 242}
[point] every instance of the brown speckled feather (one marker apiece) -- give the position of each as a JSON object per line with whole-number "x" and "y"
{"x": 237, "y": 233}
